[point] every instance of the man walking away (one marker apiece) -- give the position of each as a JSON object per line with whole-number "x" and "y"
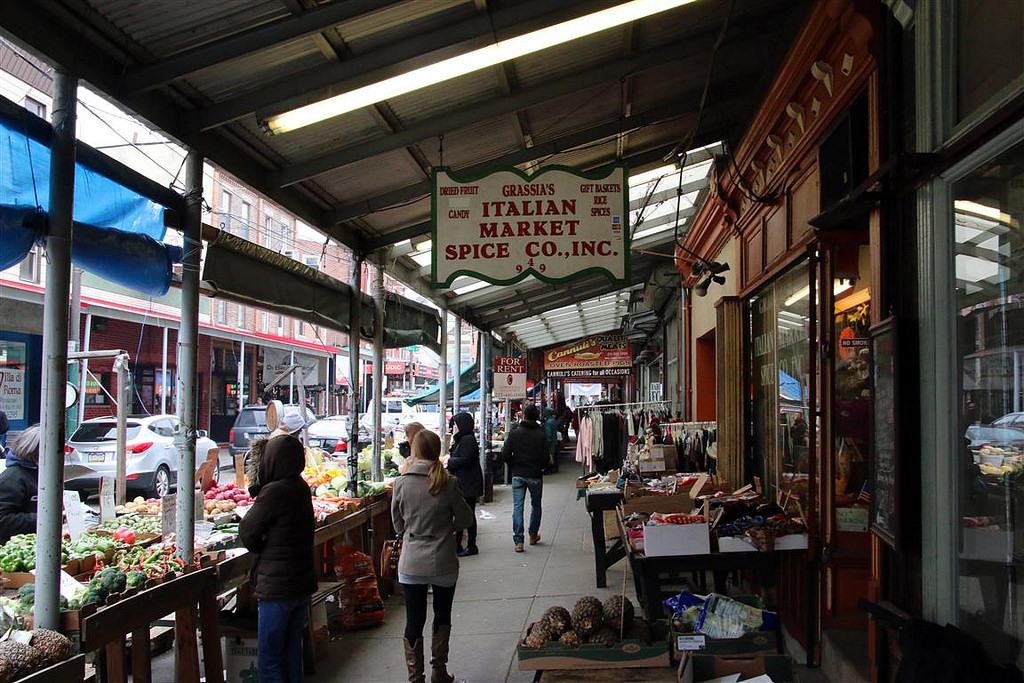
{"x": 526, "y": 454}
{"x": 551, "y": 434}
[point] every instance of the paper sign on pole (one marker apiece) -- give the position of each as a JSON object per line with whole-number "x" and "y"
{"x": 168, "y": 514}
{"x": 555, "y": 225}
{"x": 74, "y": 513}
{"x": 509, "y": 377}
{"x": 107, "y": 506}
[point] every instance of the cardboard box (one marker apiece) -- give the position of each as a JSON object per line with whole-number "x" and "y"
{"x": 635, "y": 501}
{"x": 661, "y": 540}
{"x": 622, "y": 655}
{"x": 651, "y": 465}
{"x": 735, "y": 544}
{"x": 755, "y": 642}
{"x": 695, "y": 668}
{"x": 791, "y": 542}
{"x": 321, "y": 641}
{"x": 668, "y": 454}
{"x": 991, "y": 544}
{"x": 241, "y": 658}
{"x": 611, "y": 525}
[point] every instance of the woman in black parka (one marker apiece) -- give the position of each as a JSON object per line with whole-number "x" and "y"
{"x": 464, "y": 463}
{"x": 279, "y": 529}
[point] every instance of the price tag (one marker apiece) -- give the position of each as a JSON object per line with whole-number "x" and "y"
{"x": 168, "y": 514}
{"x": 107, "y": 506}
{"x": 75, "y": 514}
{"x": 69, "y": 586}
{"x": 690, "y": 643}
{"x": 240, "y": 471}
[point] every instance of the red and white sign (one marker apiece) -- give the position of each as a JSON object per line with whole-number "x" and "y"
{"x": 555, "y": 225}
{"x": 509, "y": 377}
{"x": 394, "y": 367}
{"x": 603, "y": 355}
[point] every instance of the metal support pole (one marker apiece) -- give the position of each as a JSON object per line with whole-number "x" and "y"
{"x": 55, "y": 351}
{"x": 457, "y": 376}
{"x": 188, "y": 366}
{"x": 124, "y": 378}
{"x": 485, "y": 442}
{"x": 85, "y": 368}
{"x": 354, "y": 310}
{"x": 291, "y": 379}
{"x": 442, "y": 382}
{"x": 164, "y": 384}
{"x": 241, "y": 378}
{"x": 378, "y": 368}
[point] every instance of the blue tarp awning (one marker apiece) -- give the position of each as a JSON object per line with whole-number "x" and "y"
{"x": 790, "y": 388}
{"x": 118, "y": 232}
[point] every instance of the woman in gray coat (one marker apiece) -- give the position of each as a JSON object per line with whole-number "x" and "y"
{"x": 426, "y": 508}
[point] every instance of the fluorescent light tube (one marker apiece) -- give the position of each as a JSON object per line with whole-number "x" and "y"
{"x": 495, "y": 53}
{"x": 837, "y": 288}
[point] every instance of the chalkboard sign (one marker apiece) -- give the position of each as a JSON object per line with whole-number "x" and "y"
{"x": 885, "y": 509}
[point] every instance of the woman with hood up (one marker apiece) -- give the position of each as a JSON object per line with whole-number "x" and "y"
{"x": 464, "y": 463}
{"x": 279, "y": 529}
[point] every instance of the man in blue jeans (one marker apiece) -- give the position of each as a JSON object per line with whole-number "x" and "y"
{"x": 526, "y": 454}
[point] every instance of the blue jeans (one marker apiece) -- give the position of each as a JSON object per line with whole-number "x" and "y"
{"x": 519, "y": 488}
{"x": 281, "y": 623}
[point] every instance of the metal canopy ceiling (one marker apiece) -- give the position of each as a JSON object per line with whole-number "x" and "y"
{"x": 206, "y": 72}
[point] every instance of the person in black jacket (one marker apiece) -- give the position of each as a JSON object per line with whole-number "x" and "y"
{"x": 464, "y": 463}
{"x": 526, "y": 453}
{"x": 5, "y": 425}
{"x": 19, "y": 486}
{"x": 279, "y": 529}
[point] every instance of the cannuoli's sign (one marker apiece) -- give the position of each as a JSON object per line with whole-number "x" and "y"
{"x": 556, "y": 224}
{"x": 598, "y": 356}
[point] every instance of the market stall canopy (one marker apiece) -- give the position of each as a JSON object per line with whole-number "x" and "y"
{"x": 216, "y": 77}
{"x": 250, "y": 274}
{"x": 469, "y": 381}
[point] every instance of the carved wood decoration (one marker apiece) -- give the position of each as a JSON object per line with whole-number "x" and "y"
{"x": 828, "y": 66}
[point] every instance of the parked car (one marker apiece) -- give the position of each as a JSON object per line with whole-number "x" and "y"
{"x": 251, "y": 424}
{"x": 152, "y": 457}
{"x": 983, "y": 435}
{"x": 331, "y": 435}
{"x": 1010, "y": 420}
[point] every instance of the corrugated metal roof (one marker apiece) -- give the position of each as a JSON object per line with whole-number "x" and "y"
{"x": 329, "y": 174}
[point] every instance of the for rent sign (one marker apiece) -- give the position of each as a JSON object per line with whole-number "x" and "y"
{"x": 555, "y": 225}
{"x": 509, "y": 377}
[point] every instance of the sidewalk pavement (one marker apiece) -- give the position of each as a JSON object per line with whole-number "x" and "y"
{"x": 498, "y": 594}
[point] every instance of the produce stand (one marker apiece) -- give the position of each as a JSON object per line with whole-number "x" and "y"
{"x": 107, "y": 628}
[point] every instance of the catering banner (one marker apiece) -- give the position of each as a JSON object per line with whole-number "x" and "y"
{"x": 556, "y": 224}
{"x": 603, "y": 355}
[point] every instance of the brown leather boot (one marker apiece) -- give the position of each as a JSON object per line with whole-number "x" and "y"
{"x": 439, "y": 655}
{"x": 414, "y": 660}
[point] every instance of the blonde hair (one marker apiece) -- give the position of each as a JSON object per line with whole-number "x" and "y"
{"x": 411, "y": 430}
{"x": 426, "y": 445}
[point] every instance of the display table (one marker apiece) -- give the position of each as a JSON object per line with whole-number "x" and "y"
{"x": 604, "y": 556}
{"x": 657, "y": 578}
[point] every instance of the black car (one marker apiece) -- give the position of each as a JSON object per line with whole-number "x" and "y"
{"x": 251, "y": 424}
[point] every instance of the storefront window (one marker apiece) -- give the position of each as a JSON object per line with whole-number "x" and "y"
{"x": 778, "y": 357}
{"x": 988, "y": 210}
{"x": 990, "y": 51}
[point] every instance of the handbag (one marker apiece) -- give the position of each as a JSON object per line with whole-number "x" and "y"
{"x": 389, "y": 555}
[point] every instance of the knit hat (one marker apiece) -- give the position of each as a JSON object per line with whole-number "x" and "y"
{"x": 291, "y": 423}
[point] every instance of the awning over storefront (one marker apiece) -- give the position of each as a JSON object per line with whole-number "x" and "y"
{"x": 469, "y": 381}
{"x": 241, "y": 271}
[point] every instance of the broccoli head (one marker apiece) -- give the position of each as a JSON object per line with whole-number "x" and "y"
{"x": 136, "y": 579}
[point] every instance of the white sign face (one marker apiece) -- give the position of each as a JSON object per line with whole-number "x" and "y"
{"x": 509, "y": 378}
{"x": 12, "y": 392}
{"x": 555, "y": 225}
{"x": 107, "y": 506}
{"x": 74, "y": 514}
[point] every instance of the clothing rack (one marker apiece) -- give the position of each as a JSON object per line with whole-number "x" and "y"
{"x": 621, "y": 405}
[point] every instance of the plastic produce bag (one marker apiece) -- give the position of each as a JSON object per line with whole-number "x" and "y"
{"x": 352, "y": 565}
{"x": 723, "y": 617}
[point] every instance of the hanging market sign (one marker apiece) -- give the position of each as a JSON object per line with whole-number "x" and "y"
{"x": 556, "y": 225}
{"x": 509, "y": 377}
{"x": 598, "y": 356}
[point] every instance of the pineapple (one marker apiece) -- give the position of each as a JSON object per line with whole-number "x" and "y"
{"x": 587, "y": 616}
{"x": 21, "y": 658}
{"x": 640, "y": 631}
{"x": 537, "y": 637}
{"x": 618, "y": 613}
{"x": 55, "y": 647}
{"x": 605, "y": 636}
{"x": 570, "y": 639}
{"x": 556, "y": 620}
